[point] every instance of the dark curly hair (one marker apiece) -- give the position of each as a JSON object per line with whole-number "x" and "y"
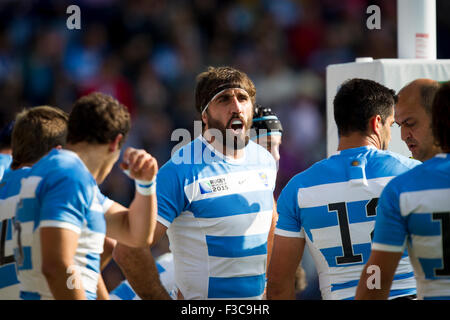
{"x": 357, "y": 101}
{"x": 98, "y": 118}
{"x": 214, "y": 80}
{"x": 36, "y": 131}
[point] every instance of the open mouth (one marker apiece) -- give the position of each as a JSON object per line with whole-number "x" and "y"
{"x": 237, "y": 126}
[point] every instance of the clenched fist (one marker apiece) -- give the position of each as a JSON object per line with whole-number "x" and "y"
{"x": 139, "y": 164}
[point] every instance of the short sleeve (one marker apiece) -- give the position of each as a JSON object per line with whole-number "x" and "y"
{"x": 103, "y": 200}
{"x": 64, "y": 201}
{"x": 170, "y": 194}
{"x": 288, "y": 223}
{"x": 390, "y": 227}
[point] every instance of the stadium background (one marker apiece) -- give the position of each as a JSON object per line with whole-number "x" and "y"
{"x": 147, "y": 54}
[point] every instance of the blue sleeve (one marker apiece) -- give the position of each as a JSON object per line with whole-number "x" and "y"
{"x": 64, "y": 201}
{"x": 170, "y": 193}
{"x": 104, "y": 201}
{"x": 390, "y": 227}
{"x": 288, "y": 223}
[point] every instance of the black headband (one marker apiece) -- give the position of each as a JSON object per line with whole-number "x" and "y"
{"x": 220, "y": 88}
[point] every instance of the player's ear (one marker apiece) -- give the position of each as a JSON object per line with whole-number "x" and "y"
{"x": 375, "y": 124}
{"x": 115, "y": 144}
{"x": 204, "y": 118}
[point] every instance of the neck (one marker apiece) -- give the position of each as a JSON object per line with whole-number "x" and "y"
{"x": 94, "y": 156}
{"x": 356, "y": 140}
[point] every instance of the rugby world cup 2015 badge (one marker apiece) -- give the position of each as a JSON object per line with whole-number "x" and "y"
{"x": 264, "y": 178}
{"x": 213, "y": 185}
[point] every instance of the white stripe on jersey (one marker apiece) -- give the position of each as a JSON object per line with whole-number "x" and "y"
{"x": 60, "y": 224}
{"x": 290, "y": 234}
{"x": 388, "y": 248}
{"x": 28, "y": 189}
{"x": 329, "y": 237}
{"x": 163, "y": 221}
{"x": 428, "y": 247}
{"x": 237, "y": 225}
{"x": 322, "y": 195}
{"x": 424, "y": 201}
{"x": 8, "y": 207}
{"x": 431, "y": 288}
{"x": 237, "y": 183}
{"x": 237, "y": 267}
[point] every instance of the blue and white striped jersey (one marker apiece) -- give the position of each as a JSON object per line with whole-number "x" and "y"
{"x": 414, "y": 211}
{"x": 9, "y": 198}
{"x": 164, "y": 264}
{"x": 218, "y": 212}
{"x": 5, "y": 162}
{"x": 333, "y": 206}
{"x": 60, "y": 192}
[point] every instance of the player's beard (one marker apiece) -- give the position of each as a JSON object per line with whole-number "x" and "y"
{"x": 229, "y": 139}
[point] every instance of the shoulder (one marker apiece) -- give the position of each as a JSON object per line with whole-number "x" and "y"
{"x": 65, "y": 163}
{"x": 178, "y": 168}
{"x": 414, "y": 178}
{"x": 11, "y": 182}
{"x": 394, "y": 161}
{"x": 190, "y": 153}
{"x": 322, "y": 172}
{"x": 63, "y": 169}
{"x": 16, "y": 174}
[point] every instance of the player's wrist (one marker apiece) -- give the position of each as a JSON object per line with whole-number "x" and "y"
{"x": 144, "y": 187}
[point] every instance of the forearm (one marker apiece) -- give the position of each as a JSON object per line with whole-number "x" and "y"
{"x": 277, "y": 290}
{"x": 102, "y": 292}
{"x": 134, "y": 227}
{"x": 64, "y": 282}
{"x": 377, "y": 276}
{"x": 368, "y": 289}
{"x": 106, "y": 255}
{"x": 286, "y": 256}
{"x": 58, "y": 246}
{"x": 138, "y": 266}
{"x": 142, "y": 219}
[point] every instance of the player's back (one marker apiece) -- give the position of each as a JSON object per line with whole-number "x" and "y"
{"x": 424, "y": 202}
{"x": 59, "y": 192}
{"x": 9, "y": 195}
{"x": 337, "y": 200}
